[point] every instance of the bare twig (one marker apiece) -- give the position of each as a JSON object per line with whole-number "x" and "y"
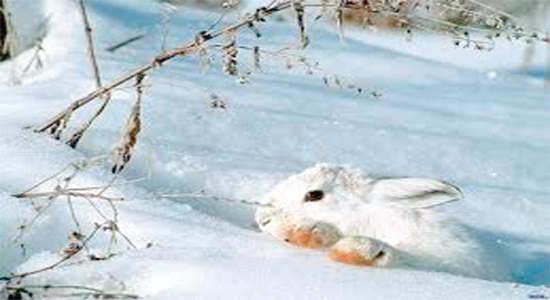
{"x": 123, "y": 152}
{"x": 68, "y": 192}
{"x": 59, "y": 262}
{"x": 75, "y": 138}
{"x": 40, "y": 211}
{"x": 158, "y": 60}
{"x": 257, "y": 62}
{"x": 47, "y": 179}
{"x": 90, "y": 44}
{"x": 125, "y": 42}
{"x": 73, "y": 214}
{"x": 299, "y": 8}
{"x": 230, "y": 54}
{"x": 9, "y": 48}
{"x": 194, "y": 46}
{"x": 78, "y": 291}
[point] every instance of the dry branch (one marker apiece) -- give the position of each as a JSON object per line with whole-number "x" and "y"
{"x": 158, "y": 60}
{"x": 123, "y": 152}
{"x": 68, "y": 192}
{"x": 59, "y": 262}
{"x": 299, "y": 8}
{"x": 125, "y": 42}
{"x": 90, "y": 44}
{"x": 230, "y": 53}
{"x": 75, "y": 138}
{"x": 259, "y": 16}
{"x": 8, "y": 42}
{"x": 71, "y": 291}
{"x": 257, "y": 62}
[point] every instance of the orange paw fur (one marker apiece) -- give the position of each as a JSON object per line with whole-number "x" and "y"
{"x": 306, "y": 238}
{"x": 351, "y": 257}
{"x": 314, "y": 235}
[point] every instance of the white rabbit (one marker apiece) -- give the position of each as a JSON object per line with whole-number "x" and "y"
{"x": 372, "y": 221}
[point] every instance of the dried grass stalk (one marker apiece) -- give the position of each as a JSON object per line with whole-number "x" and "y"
{"x": 158, "y": 60}
{"x": 75, "y": 138}
{"x": 8, "y": 34}
{"x": 277, "y": 6}
{"x": 61, "y": 125}
{"x": 257, "y": 65}
{"x": 230, "y": 54}
{"x": 200, "y": 40}
{"x": 122, "y": 154}
{"x": 339, "y": 14}
{"x": 299, "y": 8}
{"x": 90, "y": 44}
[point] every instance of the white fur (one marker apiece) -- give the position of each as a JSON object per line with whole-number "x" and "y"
{"x": 398, "y": 212}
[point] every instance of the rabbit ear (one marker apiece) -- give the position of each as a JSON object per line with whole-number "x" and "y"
{"x": 413, "y": 192}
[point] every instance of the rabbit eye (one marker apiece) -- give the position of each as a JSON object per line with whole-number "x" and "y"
{"x": 313, "y": 196}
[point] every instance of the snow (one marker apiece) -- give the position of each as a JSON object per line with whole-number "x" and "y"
{"x": 488, "y": 134}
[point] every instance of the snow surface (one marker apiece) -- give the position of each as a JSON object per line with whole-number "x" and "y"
{"x": 490, "y": 135}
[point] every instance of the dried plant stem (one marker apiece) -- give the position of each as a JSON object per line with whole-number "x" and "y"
{"x": 159, "y": 59}
{"x": 83, "y": 291}
{"x": 340, "y": 19}
{"x": 59, "y": 262}
{"x": 9, "y": 48}
{"x": 123, "y": 152}
{"x": 125, "y": 42}
{"x": 61, "y": 118}
{"x": 230, "y": 52}
{"x": 90, "y": 44}
{"x": 68, "y": 192}
{"x": 257, "y": 65}
{"x": 299, "y": 8}
{"x": 25, "y": 227}
{"x": 46, "y": 179}
{"x": 75, "y": 138}
{"x": 73, "y": 214}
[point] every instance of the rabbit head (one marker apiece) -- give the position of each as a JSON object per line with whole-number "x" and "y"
{"x": 353, "y": 203}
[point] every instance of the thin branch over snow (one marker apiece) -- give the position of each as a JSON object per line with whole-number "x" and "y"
{"x": 75, "y": 138}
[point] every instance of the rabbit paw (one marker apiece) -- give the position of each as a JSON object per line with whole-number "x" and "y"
{"x": 361, "y": 251}
{"x": 300, "y": 232}
{"x": 312, "y": 234}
